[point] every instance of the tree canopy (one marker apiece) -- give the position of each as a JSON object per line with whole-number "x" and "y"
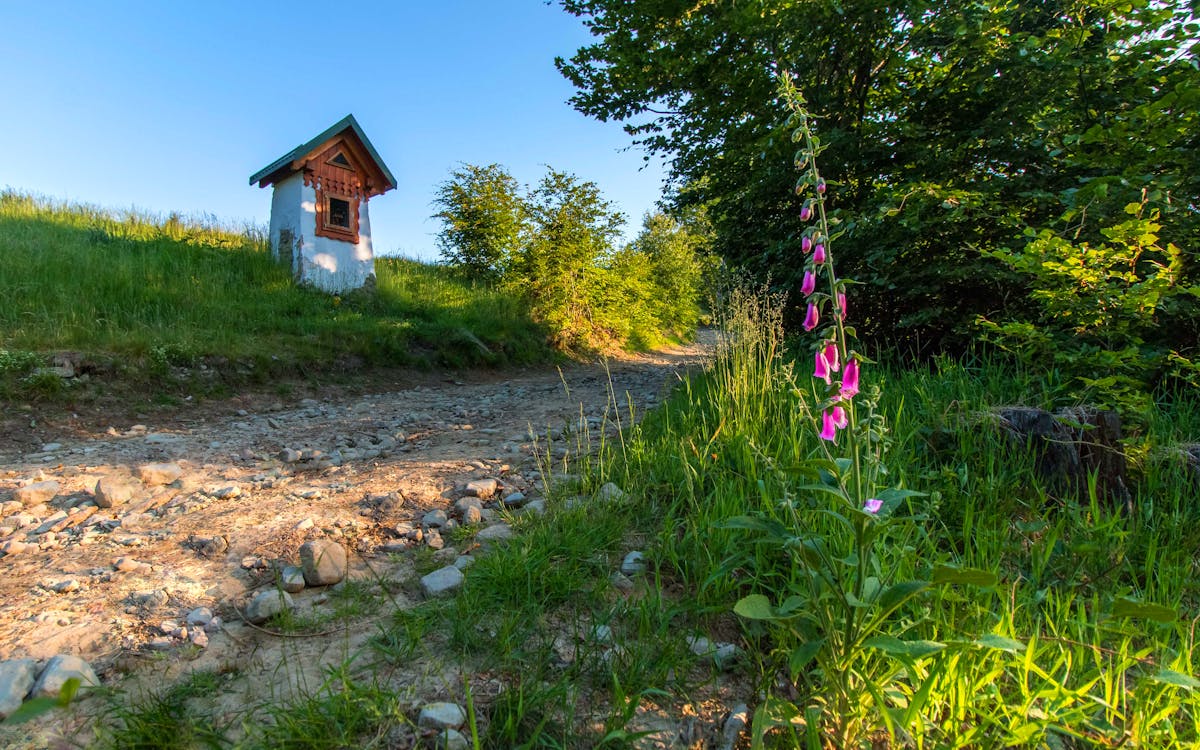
{"x": 950, "y": 131}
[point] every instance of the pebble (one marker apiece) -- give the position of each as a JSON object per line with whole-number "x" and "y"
{"x": 14, "y": 547}
{"x": 304, "y": 525}
{"x": 434, "y": 540}
{"x": 60, "y": 669}
{"x": 199, "y": 638}
{"x": 441, "y": 581}
{"x": 227, "y": 492}
{"x": 66, "y": 587}
{"x": 472, "y": 515}
{"x": 495, "y": 533}
{"x": 114, "y": 491}
{"x": 159, "y": 474}
{"x": 536, "y": 507}
{"x": 610, "y": 493}
{"x": 483, "y": 488}
{"x": 323, "y": 561}
{"x": 462, "y": 562}
{"x": 267, "y": 604}
{"x": 633, "y": 564}
{"x": 16, "y": 678}
{"x": 723, "y": 654}
{"x": 126, "y": 564}
{"x": 434, "y": 519}
{"x": 36, "y": 493}
{"x": 451, "y": 739}
{"x": 291, "y": 579}
{"x": 515, "y": 500}
{"x": 199, "y": 617}
{"x": 441, "y": 716}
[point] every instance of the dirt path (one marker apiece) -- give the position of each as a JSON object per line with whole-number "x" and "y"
{"x": 115, "y": 584}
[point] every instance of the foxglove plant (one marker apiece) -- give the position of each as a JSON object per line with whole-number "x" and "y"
{"x": 844, "y": 600}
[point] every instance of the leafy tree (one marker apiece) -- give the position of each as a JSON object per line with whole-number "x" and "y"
{"x": 482, "y": 212}
{"x": 677, "y": 258}
{"x": 568, "y": 242}
{"x": 951, "y": 128}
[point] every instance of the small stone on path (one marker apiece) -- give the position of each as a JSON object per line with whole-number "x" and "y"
{"x": 484, "y": 488}
{"x": 114, "y": 491}
{"x": 267, "y": 604}
{"x": 495, "y": 533}
{"x": 324, "y": 562}
{"x": 609, "y": 493}
{"x": 633, "y": 564}
{"x": 441, "y": 581}
{"x": 36, "y": 493}
{"x": 291, "y": 579}
{"x": 16, "y": 678}
{"x": 452, "y": 739}
{"x": 159, "y": 474}
{"x": 60, "y": 669}
{"x": 441, "y": 716}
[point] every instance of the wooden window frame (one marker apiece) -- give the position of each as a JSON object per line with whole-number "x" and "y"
{"x": 332, "y": 231}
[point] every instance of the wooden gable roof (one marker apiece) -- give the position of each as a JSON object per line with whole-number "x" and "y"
{"x": 345, "y": 139}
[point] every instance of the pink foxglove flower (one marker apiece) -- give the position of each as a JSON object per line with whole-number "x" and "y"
{"x": 811, "y": 318}
{"x": 840, "y": 419}
{"x": 850, "y": 380}
{"x": 821, "y": 186}
{"x": 810, "y": 283}
{"x": 873, "y": 506}
{"x": 830, "y": 353}
{"x": 841, "y": 305}
{"x": 806, "y": 244}
{"x": 821, "y": 369}
{"x": 819, "y": 253}
{"x": 805, "y": 212}
{"x": 828, "y": 428}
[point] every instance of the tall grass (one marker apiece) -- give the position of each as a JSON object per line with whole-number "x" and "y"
{"x": 173, "y": 290}
{"x": 1087, "y": 640}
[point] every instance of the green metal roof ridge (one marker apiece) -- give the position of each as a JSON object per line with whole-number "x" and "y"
{"x": 347, "y": 122}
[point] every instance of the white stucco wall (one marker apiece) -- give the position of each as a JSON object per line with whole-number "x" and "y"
{"x": 328, "y": 264}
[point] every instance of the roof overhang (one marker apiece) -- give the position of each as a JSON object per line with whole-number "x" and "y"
{"x": 293, "y": 161}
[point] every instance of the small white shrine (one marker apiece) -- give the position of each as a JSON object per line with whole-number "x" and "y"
{"x": 319, "y": 221}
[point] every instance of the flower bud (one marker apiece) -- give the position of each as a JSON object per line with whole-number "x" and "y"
{"x": 809, "y": 284}
{"x": 806, "y": 244}
{"x": 819, "y": 254}
{"x": 811, "y": 318}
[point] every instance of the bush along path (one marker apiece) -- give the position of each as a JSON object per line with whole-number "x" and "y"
{"x": 438, "y": 565}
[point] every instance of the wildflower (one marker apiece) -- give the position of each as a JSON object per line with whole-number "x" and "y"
{"x": 828, "y": 428}
{"x": 819, "y": 253}
{"x": 850, "y": 380}
{"x": 840, "y": 419}
{"x": 806, "y": 244}
{"x": 873, "y": 506}
{"x": 830, "y": 353}
{"x": 811, "y": 317}
{"x": 821, "y": 186}
{"x": 841, "y": 305}
{"x": 810, "y": 283}
{"x": 821, "y": 369}
{"x": 805, "y": 212}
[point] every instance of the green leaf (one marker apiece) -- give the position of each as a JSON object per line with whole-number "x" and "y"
{"x": 826, "y": 488}
{"x": 803, "y": 654}
{"x": 756, "y": 607}
{"x": 893, "y": 646}
{"x": 947, "y": 574}
{"x": 1000, "y": 643}
{"x": 770, "y": 527}
{"x": 1178, "y": 679}
{"x": 898, "y": 593}
{"x": 1125, "y": 607}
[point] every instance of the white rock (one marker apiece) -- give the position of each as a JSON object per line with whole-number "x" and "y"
{"x": 60, "y": 669}
{"x": 113, "y": 491}
{"x": 267, "y": 604}
{"x": 323, "y": 561}
{"x": 633, "y": 564}
{"x": 441, "y": 716}
{"x": 482, "y": 487}
{"x": 36, "y": 493}
{"x": 291, "y": 579}
{"x": 159, "y": 474}
{"x": 494, "y": 533}
{"x": 199, "y": 617}
{"x": 451, "y": 739}
{"x": 441, "y": 581}
{"x": 609, "y": 492}
{"x": 16, "y": 678}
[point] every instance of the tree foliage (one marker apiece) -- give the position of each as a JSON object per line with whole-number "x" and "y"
{"x": 951, "y": 129}
{"x": 482, "y": 215}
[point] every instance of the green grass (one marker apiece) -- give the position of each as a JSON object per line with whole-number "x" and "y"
{"x": 1089, "y": 663}
{"x": 143, "y": 295}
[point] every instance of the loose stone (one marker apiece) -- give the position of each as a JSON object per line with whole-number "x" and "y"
{"x": 434, "y": 519}
{"x": 441, "y": 716}
{"x": 452, "y": 739}
{"x": 441, "y": 581}
{"x": 515, "y": 500}
{"x": 159, "y": 474}
{"x": 36, "y": 493}
{"x": 495, "y": 533}
{"x": 60, "y": 669}
{"x": 323, "y": 561}
{"x": 267, "y": 604}
{"x": 199, "y": 617}
{"x": 634, "y": 564}
{"x": 113, "y": 491}
{"x": 609, "y": 492}
{"x": 16, "y": 678}
{"x": 291, "y": 579}
{"x": 484, "y": 488}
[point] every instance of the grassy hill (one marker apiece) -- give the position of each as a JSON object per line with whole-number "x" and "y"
{"x": 146, "y": 296}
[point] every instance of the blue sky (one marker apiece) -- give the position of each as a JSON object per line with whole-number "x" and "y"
{"x": 171, "y": 106}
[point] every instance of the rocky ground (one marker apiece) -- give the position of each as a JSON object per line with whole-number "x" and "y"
{"x": 140, "y": 547}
